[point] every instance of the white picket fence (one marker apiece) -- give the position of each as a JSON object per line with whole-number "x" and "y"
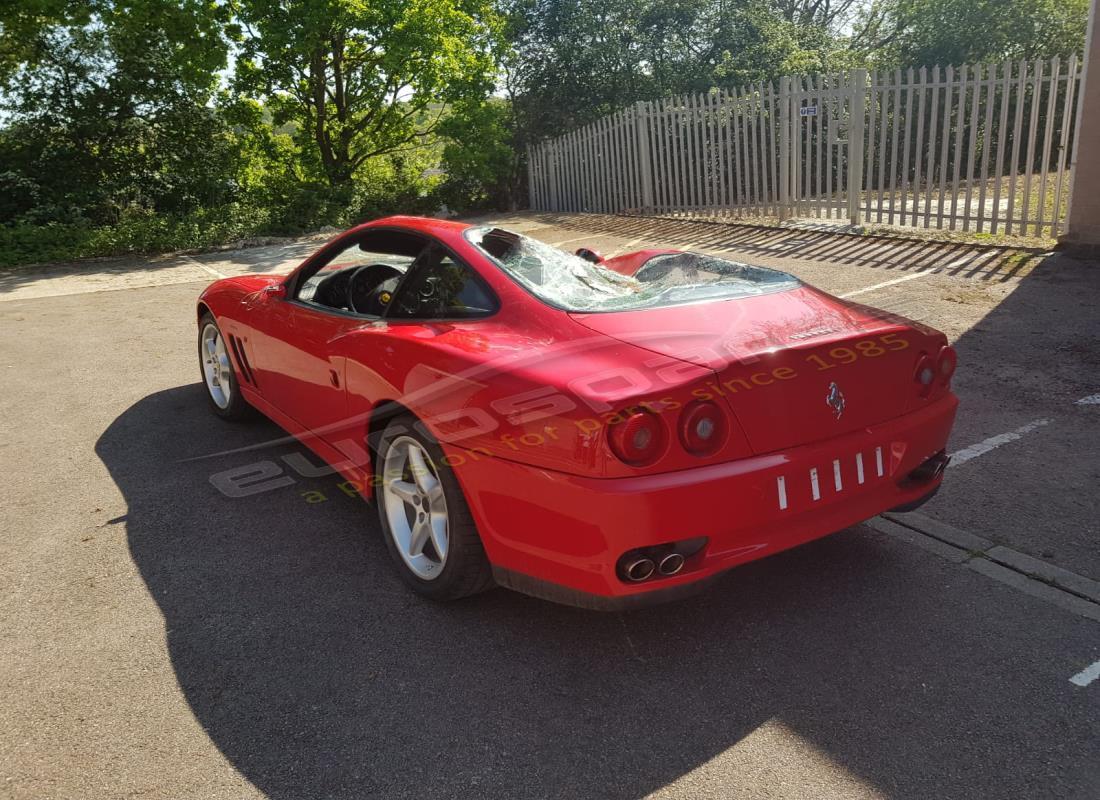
{"x": 983, "y": 148}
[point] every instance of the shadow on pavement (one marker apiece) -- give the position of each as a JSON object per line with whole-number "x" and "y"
{"x": 317, "y": 674}
{"x": 1032, "y": 357}
{"x": 905, "y": 255}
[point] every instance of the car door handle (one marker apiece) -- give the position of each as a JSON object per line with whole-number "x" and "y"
{"x": 334, "y": 377}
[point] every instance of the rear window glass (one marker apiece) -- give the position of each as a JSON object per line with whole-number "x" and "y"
{"x": 569, "y": 282}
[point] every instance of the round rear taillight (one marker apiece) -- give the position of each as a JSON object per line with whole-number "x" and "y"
{"x": 926, "y": 372}
{"x": 702, "y": 428}
{"x": 638, "y": 439}
{"x": 946, "y": 362}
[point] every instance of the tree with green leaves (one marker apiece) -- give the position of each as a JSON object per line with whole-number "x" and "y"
{"x": 109, "y": 108}
{"x": 481, "y": 155}
{"x": 362, "y": 79}
{"x": 576, "y": 60}
{"x": 23, "y": 23}
{"x": 918, "y": 33}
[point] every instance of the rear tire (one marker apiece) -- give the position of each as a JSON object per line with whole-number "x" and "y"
{"x": 218, "y": 373}
{"x": 429, "y": 531}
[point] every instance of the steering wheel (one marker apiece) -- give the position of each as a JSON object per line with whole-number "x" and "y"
{"x": 332, "y": 291}
{"x": 371, "y": 287}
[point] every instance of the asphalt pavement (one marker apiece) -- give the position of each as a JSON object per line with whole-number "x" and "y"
{"x": 159, "y": 639}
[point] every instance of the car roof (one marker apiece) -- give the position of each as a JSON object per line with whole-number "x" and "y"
{"x": 429, "y": 225}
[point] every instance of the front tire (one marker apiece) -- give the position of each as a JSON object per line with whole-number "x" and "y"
{"x": 218, "y": 376}
{"x": 427, "y": 525}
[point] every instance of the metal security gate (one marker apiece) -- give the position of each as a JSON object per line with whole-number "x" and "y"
{"x": 823, "y": 120}
{"x": 983, "y": 148}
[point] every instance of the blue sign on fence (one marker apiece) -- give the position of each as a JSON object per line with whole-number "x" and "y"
{"x": 807, "y": 111}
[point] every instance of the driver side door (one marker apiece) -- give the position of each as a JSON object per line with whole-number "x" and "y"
{"x": 305, "y": 378}
{"x": 300, "y": 353}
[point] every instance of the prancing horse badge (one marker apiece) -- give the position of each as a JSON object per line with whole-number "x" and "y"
{"x": 835, "y": 399}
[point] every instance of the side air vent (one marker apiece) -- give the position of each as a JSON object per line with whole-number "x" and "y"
{"x": 242, "y": 359}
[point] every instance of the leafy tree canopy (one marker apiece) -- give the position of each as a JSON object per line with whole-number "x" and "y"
{"x": 156, "y": 123}
{"x": 110, "y": 107}
{"x": 929, "y": 32}
{"x": 362, "y": 79}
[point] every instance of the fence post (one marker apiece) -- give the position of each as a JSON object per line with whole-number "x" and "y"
{"x": 532, "y": 202}
{"x": 1081, "y": 230}
{"x": 641, "y": 140}
{"x": 784, "y": 148}
{"x": 555, "y": 175}
{"x": 797, "y": 96}
{"x": 548, "y": 175}
{"x": 855, "y": 143}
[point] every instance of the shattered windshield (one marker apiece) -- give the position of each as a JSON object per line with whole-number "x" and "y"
{"x": 574, "y": 284}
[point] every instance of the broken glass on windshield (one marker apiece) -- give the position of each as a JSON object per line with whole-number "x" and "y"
{"x": 571, "y": 283}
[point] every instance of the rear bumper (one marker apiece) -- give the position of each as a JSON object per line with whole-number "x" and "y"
{"x": 559, "y": 536}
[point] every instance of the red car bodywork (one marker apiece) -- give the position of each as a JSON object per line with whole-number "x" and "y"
{"x": 521, "y": 403}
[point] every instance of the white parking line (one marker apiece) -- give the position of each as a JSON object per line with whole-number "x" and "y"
{"x": 1087, "y": 675}
{"x": 959, "y": 262}
{"x": 983, "y": 447}
{"x": 1091, "y": 400}
{"x": 884, "y": 284}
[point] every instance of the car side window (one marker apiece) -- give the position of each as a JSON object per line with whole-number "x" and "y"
{"x": 359, "y": 277}
{"x": 442, "y": 288}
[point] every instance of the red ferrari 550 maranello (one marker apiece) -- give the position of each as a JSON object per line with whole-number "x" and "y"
{"x": 596, "y": 432}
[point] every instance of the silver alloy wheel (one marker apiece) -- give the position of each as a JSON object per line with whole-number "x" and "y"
{"x": 415, "y": 507}
{"x": 216, "y": 366}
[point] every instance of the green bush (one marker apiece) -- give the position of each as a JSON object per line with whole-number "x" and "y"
{"x": 28, "y": 244}
{"x": 389, "y": 188}
{"x": 136, "y": 232}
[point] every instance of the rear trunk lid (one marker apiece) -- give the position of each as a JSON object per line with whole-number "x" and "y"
{"x": 794, "y": 367}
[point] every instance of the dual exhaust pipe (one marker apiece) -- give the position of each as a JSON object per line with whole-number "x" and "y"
{"x": 930, "y": 469}
{"x": 642, "y": 568}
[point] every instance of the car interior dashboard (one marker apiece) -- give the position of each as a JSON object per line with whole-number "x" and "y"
{"x": 358, "y": 288}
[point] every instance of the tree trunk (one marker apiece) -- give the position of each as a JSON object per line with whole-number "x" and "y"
{"x": 334, "y": 159}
